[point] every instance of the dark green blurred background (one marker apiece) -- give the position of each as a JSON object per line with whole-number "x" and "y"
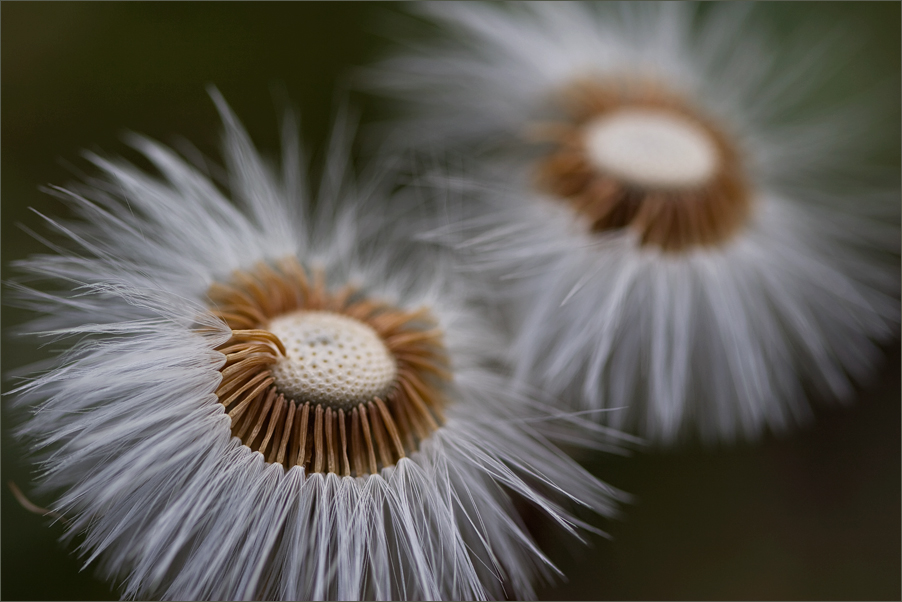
{"x": 815, "y": 515}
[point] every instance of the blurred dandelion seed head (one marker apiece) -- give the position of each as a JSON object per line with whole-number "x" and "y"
{"x": 691, "y": 226}
{"x": 632, "y": 154}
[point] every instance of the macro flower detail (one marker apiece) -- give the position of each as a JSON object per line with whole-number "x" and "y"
{"x": 331, "y": 382}
{"x": 271, "y": 396}
{"x": 691, "y": 232}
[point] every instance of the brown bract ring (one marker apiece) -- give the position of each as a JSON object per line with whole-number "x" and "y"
{"x": 353, "y": 440}
{"x": 674, "y": 218}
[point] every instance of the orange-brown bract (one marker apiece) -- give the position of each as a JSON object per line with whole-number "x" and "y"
{"x": 671, "y": 219}
{"x": 374, "y": 434}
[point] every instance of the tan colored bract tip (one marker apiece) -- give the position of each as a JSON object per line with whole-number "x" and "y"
{"x": 370, "y": 394}
{"x": 633, "y": 155}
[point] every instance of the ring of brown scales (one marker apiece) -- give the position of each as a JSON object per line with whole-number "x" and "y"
{"x": 332, "y": 382}
{"x": 633, "y": 155}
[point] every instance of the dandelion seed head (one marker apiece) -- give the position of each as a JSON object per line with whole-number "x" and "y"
{"x": 260, "y": 474}
{"x": 329, "y": 381}
{"x": 632, "y": 154}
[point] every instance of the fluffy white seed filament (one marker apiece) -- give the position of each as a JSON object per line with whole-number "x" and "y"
{"x": 331, "y": 359}
{"x": 651, "y": 149}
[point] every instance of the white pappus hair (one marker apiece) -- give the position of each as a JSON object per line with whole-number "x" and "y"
{"x": 721, "y": 342}
{"x": 130, "y": 432}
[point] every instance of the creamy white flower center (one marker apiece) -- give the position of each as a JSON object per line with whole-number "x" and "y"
{"x": 331, "y": 359}
{"x": 651, "y": 148}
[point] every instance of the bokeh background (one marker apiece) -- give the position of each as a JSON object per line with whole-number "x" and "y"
{"x": 814, "y": 515}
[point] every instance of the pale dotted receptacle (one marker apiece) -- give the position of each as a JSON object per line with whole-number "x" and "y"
{"x": 331, "y": 359}
{"x": 652, "y": 148}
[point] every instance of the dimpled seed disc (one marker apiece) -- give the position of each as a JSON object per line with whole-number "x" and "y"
{"x": 331, "y": 359}
{"x": 652, "y": 148}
